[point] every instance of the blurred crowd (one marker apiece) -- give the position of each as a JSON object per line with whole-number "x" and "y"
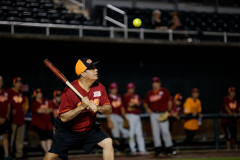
{"x": 176, "y": 24}
{"x": 124, "y": 121}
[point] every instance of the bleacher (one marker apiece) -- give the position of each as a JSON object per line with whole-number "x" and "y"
{"x": 196, "y": 21}
{"x": 54, "y": 12}
{"x": 39, "y": 11}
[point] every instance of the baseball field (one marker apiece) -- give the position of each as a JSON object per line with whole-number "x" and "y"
{"x": 182, "y": 155}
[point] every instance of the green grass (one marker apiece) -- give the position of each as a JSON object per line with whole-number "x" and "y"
{"x": 226, "y": 158}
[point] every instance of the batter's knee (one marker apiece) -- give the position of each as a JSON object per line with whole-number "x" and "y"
{"x": 106, "y": 143}
{"x": 51, "y": 156}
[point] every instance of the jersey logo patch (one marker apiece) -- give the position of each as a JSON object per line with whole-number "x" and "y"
{"x": 97, "y": 94}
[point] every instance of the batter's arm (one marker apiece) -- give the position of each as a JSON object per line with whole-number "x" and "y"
{"x": 69, "y": 115}
{"x": 106, "y": 109}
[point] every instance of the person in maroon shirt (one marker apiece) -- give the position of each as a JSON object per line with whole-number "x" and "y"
{"x": 4, "y": 118}
{"x": 177, "y": 106}
{"x": 132, "y": 104}
{"x": 230, "y": 106}
{"x": 158, "y": 101}
{"x": 20, "y": 106}
{"x": 55, "y": 102}
{"x": 41, "y": 119}
{"x": 76, "y": 120}
{"x": 116, "y": 118}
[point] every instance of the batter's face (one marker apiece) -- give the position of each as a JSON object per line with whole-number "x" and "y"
{"x": 17, "y": 85}
{"x": 156, "y": 85}
{"x": 1, "y": 81}
{"x": 232, "y": 94}
{"x": 113, "y": 91}
{"x": 195, "y": 95}
{"x": 91, "y": 73}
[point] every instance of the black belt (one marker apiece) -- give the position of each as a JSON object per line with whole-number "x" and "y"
{"x": 159, "y": 111}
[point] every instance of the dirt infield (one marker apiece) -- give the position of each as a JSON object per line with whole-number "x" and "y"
{"x": 180, "y": 155}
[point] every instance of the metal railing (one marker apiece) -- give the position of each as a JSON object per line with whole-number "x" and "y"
{"x": 82, "y": 5}
{"x": 106, "y": 18}
{"x": 141, "y": 31}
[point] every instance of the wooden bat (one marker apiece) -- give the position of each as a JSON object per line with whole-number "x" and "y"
{"x": 62, "y": 77}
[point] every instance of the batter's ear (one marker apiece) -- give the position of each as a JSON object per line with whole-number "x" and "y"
{"x": 83, "y": 74}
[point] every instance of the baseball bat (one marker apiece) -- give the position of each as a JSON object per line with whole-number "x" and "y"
{"x": 62, "y": 77}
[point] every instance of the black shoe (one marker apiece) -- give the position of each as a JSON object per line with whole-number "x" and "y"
{"x": 158, "y": 151}
{"x": 171, "y": 151}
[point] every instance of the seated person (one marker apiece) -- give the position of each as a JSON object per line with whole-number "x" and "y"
{"x": 157, "y": 22}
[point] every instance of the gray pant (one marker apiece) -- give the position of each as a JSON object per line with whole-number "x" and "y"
{"x": 117, "y": 121}
{"x": 135, "y": 125}
{"x": 158, "y": 129}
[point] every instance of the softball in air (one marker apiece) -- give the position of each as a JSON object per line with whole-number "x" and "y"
{"x": 137, "y": 22}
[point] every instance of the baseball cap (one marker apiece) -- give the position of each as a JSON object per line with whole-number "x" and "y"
{"x": 155, "y": 79}
{"x": 38, "y": 90}
{"x": 113, "y": 85}
{"x": 195, "y": 90}
{"x": 17, "y": 79}
{"x": 178, "y": 96}
{"x": 231, "y": 89}
{"x": 130, "y": 85}
{"x": 83, "y": 64}
{"x": 57, "y": 93}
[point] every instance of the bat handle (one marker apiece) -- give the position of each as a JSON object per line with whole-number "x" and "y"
{"x": 75, "y": 91}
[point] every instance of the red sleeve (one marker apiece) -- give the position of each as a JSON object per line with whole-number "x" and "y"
{"x": 146, "y": 99}
{"x": 224, "y": 103}
{"x": 104, "y": 98}
{"x": 65, "y": 102}
{"x": 35, "y": 106}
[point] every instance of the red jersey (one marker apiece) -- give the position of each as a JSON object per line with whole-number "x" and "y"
{"x": 69, "y": 100}
{"x": 158, "y": 100}
{"x": 127, "y": 98}
{"x": 17, "y": 100}
{"x": 3, "y": 103}
{"x": 116, "y": 103}
{"x": 42, "y": 121}
{"x": 53, "y": 104}
{"x": 178, "y": 109}
{"x": 232, "y": 104}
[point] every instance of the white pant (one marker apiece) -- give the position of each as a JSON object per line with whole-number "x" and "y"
{"x": 159, "y": 128}
{"x": 117, "y": 121}
{"x": 135, "y": 128}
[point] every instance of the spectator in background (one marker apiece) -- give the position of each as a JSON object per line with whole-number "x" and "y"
{"x": 41, "y": 119}
{"x": 55, "y": 102}
{"x": 230, "y": 106}
{"x": 5, "y": 109}
{"x": 116, "y": 118}
{"x": 156, "y": 21}
{"x": 20, "y": 106}
{"x": 176, "y": 25}
{"x": 132, "y": 103}
{"x": 192, "y": 108}
{"x": 157, "y": 102}
{"x": 177, "y": 106}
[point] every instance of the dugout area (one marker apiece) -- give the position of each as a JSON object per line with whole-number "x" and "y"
{"x": 212, "y": 67}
